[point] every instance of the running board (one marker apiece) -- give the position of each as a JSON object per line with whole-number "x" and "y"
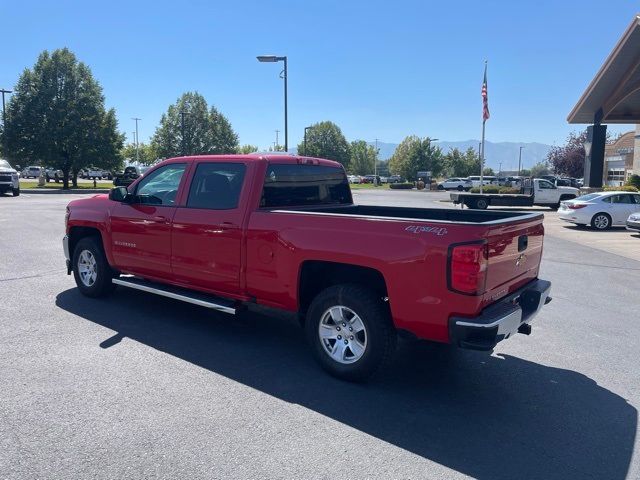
{"x": 181, "y": 294}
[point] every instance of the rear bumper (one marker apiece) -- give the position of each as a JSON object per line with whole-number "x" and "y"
{"x": 501, "y": 319}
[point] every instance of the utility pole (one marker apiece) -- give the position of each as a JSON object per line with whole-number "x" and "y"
{"x": 3, "y": 113}
{"x": 520, "y": 160}
{"x": 500, "y": 168}
{"x": 137, "y": 152}
{"x": 182, "y": 114}
{"x": 277, "y": 144}
{"x": 306, "y": 154}
{"x": 375, "y": 165}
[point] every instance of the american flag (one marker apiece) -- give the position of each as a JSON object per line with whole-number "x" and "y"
{"x": 485, "y": 97}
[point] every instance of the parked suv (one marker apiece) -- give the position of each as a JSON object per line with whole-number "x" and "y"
{"x": 455, "y": 184}
{"x": 32, "y": 172}
{"x": 9, "y": 179}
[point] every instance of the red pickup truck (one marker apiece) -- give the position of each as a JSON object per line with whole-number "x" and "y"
{"x": 281, "y": 231}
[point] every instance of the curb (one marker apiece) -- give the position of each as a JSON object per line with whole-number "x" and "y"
{"x": 58, "y": 191}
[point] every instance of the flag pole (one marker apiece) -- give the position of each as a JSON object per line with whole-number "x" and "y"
{"x": 485, "y": 115}
{"x": 482, "y": 157}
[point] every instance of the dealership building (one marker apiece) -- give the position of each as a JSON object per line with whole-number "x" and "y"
{"x": 612, "y": 97}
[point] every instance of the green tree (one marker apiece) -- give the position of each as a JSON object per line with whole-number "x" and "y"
{"x": 223, "y": 138}
{"x": 459, "y": 164}
{"x": 415, "y": 154}
{"x": 363, "y": 158}
{"x": 56, "y": 117}
{"x": 325, "y": 140}
{"x": 147, "y": 155}
{"x": 540, "y": 168}
{"x": 190, "y": 128}
{"x": 247, "y": 149}
{"x": 488, "y": 171}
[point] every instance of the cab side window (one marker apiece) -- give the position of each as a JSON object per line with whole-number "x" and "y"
{"x": 543, "y": 184}
{"x": 161, "y": 186}
{"x": 216, "y": 186}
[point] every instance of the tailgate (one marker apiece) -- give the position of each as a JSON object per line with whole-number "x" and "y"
{"x": 514, "y": 254}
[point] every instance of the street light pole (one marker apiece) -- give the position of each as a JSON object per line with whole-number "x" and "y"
{"x": 284, "y": 75}
{"x": 137, "y": 152}
{"x": 3, "y": 113}
{"x": 520, "y": 160}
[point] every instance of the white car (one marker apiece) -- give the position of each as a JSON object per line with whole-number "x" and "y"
{"x": 601, "y": 210}
{"x": 456, "y": 183}
{"x": 633, "y": 223}
{"x": 354, "y": 179}
{"x": 9, "y": 179}
{"x": 486, "y": 180}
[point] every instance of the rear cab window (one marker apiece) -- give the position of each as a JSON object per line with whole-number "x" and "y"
{"x": 216, "y": 186}
{"x": 295, "y": 185}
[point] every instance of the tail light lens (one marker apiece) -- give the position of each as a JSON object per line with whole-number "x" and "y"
{"x": 576, "y": 206}
{"x": 468, "y": 268}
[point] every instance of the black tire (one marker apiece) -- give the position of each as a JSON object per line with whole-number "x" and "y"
{"x": 601, "y": 221}
{"x": 440, "y": 187}
{"x": 102, "y": 284}
{"x": 379, "y": 331}
{"x": 460, "y": 188}
{"x": 16, "y": 192}
{"x": 481, "y": 204}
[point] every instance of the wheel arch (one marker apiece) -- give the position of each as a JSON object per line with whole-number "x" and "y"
{"x": 76, "y": 233}
{"x": 317, "y": 275}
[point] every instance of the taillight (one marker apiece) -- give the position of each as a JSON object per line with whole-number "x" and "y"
{"x": 66, "y": 218}
{"x": 576, "y": 206}
{"x": 467, "y": 270}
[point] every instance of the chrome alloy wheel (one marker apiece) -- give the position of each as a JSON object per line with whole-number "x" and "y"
{"x": 601, "y": 222}
{"x": 342, "y": 334}
{"x": 87, "y": 268}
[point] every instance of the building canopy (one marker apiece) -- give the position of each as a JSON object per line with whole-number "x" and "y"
{"x": 613, "y": 96}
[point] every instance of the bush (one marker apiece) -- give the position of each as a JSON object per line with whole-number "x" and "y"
{"x": 401, "y": 186}
{"x": 634, "y": 181}
{"x": 625, "y": 188}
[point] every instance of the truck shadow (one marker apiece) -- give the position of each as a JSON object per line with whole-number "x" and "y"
{"x": 485, "y": 416}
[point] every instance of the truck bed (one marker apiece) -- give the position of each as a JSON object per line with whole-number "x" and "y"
{"x": 445, "y": 215}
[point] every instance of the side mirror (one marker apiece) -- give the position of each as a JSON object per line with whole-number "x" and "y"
{"x": 118, "y": 194}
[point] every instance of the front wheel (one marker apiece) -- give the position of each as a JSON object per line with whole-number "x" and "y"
{"x": 350, "y": 332}
{"x": 91, "y": 271}
{"x": 16, "y": 192}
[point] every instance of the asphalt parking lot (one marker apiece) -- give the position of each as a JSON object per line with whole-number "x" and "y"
{"x": 141, "y": 386}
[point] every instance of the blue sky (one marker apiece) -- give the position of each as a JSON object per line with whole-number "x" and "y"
{"x": 378, "y": 69}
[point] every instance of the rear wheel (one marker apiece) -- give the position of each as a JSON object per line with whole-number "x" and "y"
{"x": 350, "y": 332}
{"x": 481, "y": 204}
{"x": 91, "y": 270}
{"x": 460, "y": 188}
{"x": 601, "y": 221}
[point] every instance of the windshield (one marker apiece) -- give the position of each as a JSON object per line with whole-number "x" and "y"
{"x": 588, "y": 196}
{"x": 4, "y": 164}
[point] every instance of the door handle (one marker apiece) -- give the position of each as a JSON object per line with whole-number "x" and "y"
{"x": 160, "y": 219}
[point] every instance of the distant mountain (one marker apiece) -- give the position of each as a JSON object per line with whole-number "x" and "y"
{"x": 495, "y": 153}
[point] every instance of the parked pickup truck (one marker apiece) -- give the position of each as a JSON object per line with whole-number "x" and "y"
{"x": 536, "y": 191}
{"x": 281, "y": 231}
